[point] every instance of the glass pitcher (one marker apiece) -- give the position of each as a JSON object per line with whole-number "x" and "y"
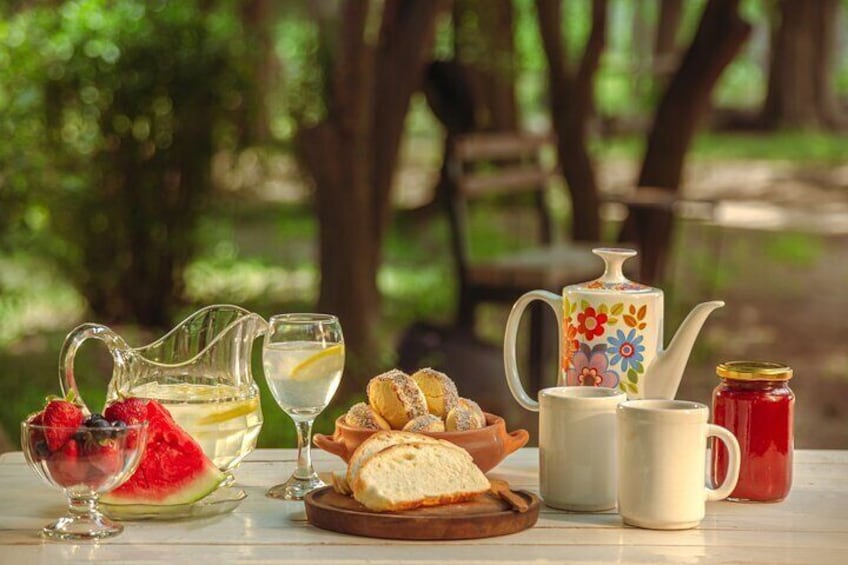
{"x": 200, "y": 371}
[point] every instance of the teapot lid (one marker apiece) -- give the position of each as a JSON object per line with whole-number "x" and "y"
{"x": 613, "y": 279}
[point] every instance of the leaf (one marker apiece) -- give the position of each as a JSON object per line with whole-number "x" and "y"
{"x": 612, "y": 321}
{"x": 621, "y": 385}
{"x": 642, "y": 311}
{"x": 631, "y": 388}
{"x": 584, "y": 305}
{"x": 632, "y": 376}
{"x": 566, "y": 306}
{"x": 630, "y": 320}
{"x": 640, "y": 368}
{"x": 573, "y": 308}
{"x": 632, "y": 309}
{"x": 642, "y": 326}
{"x": 603, "y": 309}
{"x": 617, "y": 309}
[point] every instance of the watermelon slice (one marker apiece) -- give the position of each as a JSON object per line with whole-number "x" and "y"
{"x": 173, "y": 467}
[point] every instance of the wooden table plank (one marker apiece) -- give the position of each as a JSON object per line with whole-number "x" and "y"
{"x": 810, "y": 526}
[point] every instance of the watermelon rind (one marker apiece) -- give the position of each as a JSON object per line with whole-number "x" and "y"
{"x": 173, "y": 468}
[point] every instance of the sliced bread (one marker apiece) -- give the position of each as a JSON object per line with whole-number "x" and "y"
{"x": 410, "y": 475}
{"x": 378, "y": 442}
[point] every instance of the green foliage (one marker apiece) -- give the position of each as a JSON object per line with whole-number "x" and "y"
{"x": 113, "y": 110}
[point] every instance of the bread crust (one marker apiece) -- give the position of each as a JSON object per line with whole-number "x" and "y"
{"x": 361, "y": 496}
{"x": 425, "y": 423}
{"x": 366, "y": 449}
{"x": 361, "y": 415}
{"x": 439, "y": 390}
{"x": 396, "y": 397}
{"x": 467, "y": 415}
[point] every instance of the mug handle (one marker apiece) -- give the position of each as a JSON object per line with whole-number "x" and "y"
{"x": 734, "y": 456}
{"x": 510, "y": 363}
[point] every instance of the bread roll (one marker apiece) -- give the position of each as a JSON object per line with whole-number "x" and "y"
{"x": 412, "y": 475}
{"x": 378, "y": 442}
{"x": 396, "y": 397}
{"x": 425, "y": 423}
{"x": 466, "y": 415}
{"x": 439, "y": 390}
{"x": 362, "y": 415}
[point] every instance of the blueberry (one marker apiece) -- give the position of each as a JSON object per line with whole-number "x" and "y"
{"x": 41, "y": 449}
{"x": 96, "y": 421}
{"x": 120, "y": 428}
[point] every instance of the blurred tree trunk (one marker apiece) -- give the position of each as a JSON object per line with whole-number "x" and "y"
{"x": 665, "y": 44}
{"x": 801, "y": 86}
{"x": 351, "y": 155}
{"x": 258, "y": 17}
{"x": 720, "y": 36}
{"x": 571, "y": 92}
{"x": 483, "y": 45}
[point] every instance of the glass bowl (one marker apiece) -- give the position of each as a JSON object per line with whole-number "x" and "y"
{"x": 89, "y": 463}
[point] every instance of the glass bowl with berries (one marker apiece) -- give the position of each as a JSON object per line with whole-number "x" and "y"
{"x": 85, "y": 456}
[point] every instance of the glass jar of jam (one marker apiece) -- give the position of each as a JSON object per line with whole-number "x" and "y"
{"x": 755, "y": 403}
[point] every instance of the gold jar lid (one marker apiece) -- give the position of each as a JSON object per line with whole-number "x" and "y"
{"x": 754, "y": 371}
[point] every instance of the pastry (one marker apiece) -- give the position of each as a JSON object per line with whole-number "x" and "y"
{"x": 396, "y": 397}
{"x": 442, "y": 474}
{"x": 439, "y": 390}
{"x": 361, "y": 415}
{"x": 466, "y": 415}
{"x": 425, "y": 423}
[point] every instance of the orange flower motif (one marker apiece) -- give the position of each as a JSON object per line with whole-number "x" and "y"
{"x": 569, "y": 343}
{"x": 591, "y": 323}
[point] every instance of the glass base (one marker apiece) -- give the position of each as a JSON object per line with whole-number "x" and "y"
{"x": 295, "y": 488}
{"x": 77, "y": 527}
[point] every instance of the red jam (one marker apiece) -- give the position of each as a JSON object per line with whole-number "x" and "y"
{"x": 755, "y": 403}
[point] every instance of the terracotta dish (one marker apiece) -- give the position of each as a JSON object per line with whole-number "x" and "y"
{"x": 488, "y": 446}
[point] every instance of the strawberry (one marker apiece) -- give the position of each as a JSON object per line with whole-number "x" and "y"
{"x": 36, "y": 436}
{"x": 104, "y": 460}
{"x": 65, "y": 465}
{"x": 129, "y": 411}
{"x": 61, "y": 420}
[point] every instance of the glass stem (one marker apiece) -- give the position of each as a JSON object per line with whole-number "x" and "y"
{"x": 82, "y": 505}
{"x": 304, "y": 454}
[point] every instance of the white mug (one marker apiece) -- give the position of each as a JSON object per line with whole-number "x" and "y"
{"x": 662, "y": 463}
{"x": 577, "y": 442}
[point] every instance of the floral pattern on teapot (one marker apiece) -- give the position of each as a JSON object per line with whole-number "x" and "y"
{"x": 602, "y": 345}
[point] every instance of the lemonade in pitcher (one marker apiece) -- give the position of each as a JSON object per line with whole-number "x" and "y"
{"x": 223, "y": 419}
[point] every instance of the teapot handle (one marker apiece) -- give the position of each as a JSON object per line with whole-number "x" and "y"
{"x": 117, "y": 347}
{"x": 511, "y": 334}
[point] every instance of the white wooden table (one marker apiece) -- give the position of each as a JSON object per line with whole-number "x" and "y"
{"x": 811, "y": 526}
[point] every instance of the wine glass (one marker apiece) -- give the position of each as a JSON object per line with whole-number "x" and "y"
{"x": 303, "y": 358}
{"x": 91, "y": 462}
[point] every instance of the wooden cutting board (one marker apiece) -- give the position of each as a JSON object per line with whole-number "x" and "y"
{"x": 483, "y": 517}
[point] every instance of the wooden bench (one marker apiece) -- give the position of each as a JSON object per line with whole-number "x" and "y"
{"x": 508, "y": 168}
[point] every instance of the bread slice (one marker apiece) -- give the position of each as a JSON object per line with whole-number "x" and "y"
{"x": 378, "y": 442}
{"x": 410, "y": 475}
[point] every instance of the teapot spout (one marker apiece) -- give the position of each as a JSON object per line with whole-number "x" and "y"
{"x": 664, "y": 375}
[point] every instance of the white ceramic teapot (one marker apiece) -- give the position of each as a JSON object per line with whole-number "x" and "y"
{"x": 611, "y": 335}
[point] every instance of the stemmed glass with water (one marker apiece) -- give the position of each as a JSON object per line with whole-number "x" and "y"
{"x": 303, "y": 358}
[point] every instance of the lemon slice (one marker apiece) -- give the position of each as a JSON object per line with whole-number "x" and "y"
{"x": 321, "y": 365}
{"x": 242, "y": 408}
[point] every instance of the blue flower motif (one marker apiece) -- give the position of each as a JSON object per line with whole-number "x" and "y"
{"x": 626, "y": 350}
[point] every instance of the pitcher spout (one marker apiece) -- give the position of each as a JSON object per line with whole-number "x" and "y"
{"x": 663, "y": 376}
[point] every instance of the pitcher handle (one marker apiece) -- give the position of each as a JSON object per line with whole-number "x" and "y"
{"x": 510, "y": 362}
{"x": 117, "y": 347}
